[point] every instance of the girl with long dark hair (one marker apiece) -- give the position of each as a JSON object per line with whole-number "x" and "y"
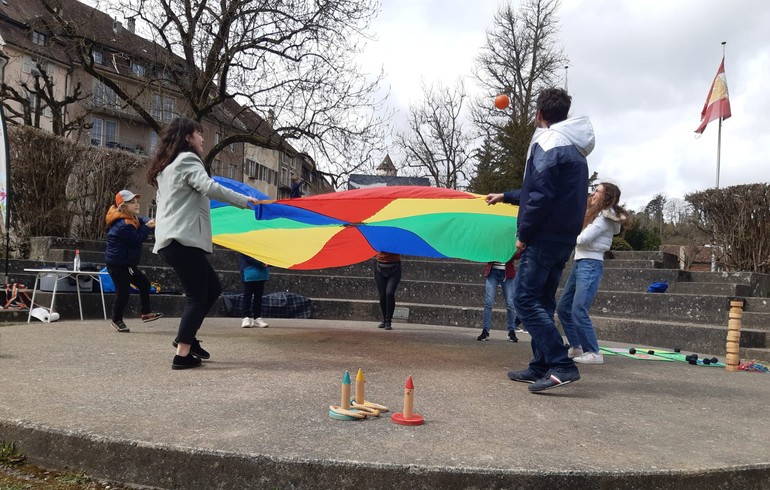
{"x": 183, "y": 228}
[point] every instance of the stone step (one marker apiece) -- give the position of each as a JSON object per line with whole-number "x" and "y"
{"x": 759, "y": 283}
{"x": 637, "y": 255}
{"x": 672, "y": 335}
{"x": 691, "y": 337}
{"x": 636, "y": 331}
{"x": 756, "y": 354}
{"x": 757, "y": 321}
{"x": 632, "y": 264}
{"x": 690, "y": 308}
{"x": 711, "y": 288}
{"x": 618, "y": 275}
{"x": 703, "y": 307}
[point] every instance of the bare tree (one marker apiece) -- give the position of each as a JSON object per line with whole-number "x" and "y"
{"x": 35, "y": 95}
{"x": 738, "y": 220}
{"x": 522, "y": 55}
{"x": 436, "y": 142}
{"x": 91, "y": 187}
{"x": 292, "y": 59}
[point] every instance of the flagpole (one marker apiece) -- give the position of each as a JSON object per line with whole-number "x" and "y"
{"x": 719, "y": 149}
{"x": 719, "y": 136}
{"x": 719, "y": 154}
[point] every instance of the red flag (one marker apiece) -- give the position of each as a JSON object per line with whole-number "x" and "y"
{"x": 718, "y": 101}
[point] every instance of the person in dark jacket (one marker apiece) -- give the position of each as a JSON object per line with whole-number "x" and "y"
{"x": 552, "y": 205}
{"x": 296, "y": 187}
{"x": 126, "y": 231}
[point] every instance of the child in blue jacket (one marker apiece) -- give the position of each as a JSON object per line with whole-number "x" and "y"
{"x": 126, "y": 231}
{"x": 254, "y": 274}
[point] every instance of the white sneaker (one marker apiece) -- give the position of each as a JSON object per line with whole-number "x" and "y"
{"x": 247, "y": 323}
{"x": 590, "y": 358}
{"x": 574, "y": 352}
{"x": 258, "y": 322}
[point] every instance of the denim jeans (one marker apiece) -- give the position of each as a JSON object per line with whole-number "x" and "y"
{"x": 497, "y": 277}
{"x": 576, "y": 299}
{"x": 537, "y": 280}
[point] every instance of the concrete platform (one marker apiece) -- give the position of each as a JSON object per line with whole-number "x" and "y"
{"x": 80, "y": 396}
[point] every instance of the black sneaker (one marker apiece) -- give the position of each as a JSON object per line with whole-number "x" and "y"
{"x": 186, "y": 362}
{"x": 387, "y": 326}
{"x": 484, "y": 336}
{"x": 553, "y": 379}
{"x": 120, "y": 326}
{"x": 525, "y": 376}
{"x": 381, "y": 325}
{"x": 195, "y": 349}
{"x": 512, "y": 336}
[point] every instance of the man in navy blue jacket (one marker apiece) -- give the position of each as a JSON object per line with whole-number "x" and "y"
{"x": 552, "y": 204}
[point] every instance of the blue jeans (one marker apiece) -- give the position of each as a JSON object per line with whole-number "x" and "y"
{"x": 497, "y": 277}
{"x": 537, "y": 280}
{"x": 576, "y": 299}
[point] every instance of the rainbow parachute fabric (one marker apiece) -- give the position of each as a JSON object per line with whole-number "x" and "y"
{"x": 343, "y": 228}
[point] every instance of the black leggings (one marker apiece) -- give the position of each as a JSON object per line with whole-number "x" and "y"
{"x": 252, "y": 289}
{"x": 200, "y": 283}
{"x": 387, "y": 276}
{"x": 123, "y": 277}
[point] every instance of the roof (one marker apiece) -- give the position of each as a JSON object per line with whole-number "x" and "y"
{"x": 88, "y": 21}
{"x": 360, "y": 181}
{"x": 120, "y": 46}
{"x": 387, "y": 164}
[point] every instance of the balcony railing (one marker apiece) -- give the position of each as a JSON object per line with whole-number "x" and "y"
{"x": 125, "y": 144}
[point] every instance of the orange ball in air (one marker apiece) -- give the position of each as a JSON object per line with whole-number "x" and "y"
{"x": 502, "y": 101}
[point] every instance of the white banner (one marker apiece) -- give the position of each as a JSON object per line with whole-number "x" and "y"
{"x": 4, "y": 150}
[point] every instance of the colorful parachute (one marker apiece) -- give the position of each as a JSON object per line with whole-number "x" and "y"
{"x": 343, "y": 228}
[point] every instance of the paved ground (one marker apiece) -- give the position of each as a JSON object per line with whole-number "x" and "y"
{"x": 79, "y": 395}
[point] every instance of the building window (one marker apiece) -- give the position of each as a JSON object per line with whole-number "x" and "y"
{"x": 98, "y": 57}
{"x": 103, "y": 96}
{"x": 34, "y": 66}
{"x": 138, "y": 68}
{"x": 44, "y": 109}
{"x": 232, "y": 172}
{"x": 251, "y": 168}
{"x": 168, "y": 109}
{"x": 38, "y": 38}
{"x": 284, "y": 175}
{"x": 162, "y": 108}
{"x": 104, "y": 133}
{"x": 153, "y": 142}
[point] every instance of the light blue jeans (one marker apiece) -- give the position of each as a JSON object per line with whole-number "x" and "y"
{"x": 497, "y": 277}
{"x": 576, "y": 299}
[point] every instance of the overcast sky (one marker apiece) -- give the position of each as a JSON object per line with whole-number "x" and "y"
{"x": 640, "y": 69}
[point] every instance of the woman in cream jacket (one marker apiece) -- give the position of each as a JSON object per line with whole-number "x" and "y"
{"x": 183, "y": 228}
